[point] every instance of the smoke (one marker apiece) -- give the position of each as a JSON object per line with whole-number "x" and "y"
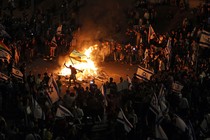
{"x": 61, "y": 60}
{"x": 100, "y": 17}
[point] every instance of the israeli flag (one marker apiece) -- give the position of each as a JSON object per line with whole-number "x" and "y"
{"x": 143, "y": 73}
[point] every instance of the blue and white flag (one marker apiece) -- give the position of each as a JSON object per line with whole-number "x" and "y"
{"x": 155, "y": 108}
{"x": 3, "y": 77}
{"x": 205, "y": 124}
{"x": 4, "y": 55}
{"x": 75, "y": 55}
{"x": 17, "y": 73}
{"x": 162, "y": 101}
{"x": 179, "y": 123}
{"x": 53, "y": 91}
{"x": 160, "y": 133}
{"x": 37, "y": 110}
{"x": 63, "y": 112}
{"x": 122, "y": 119}
{"x": 205, "y": 39}
{"x": 143, "y": 73}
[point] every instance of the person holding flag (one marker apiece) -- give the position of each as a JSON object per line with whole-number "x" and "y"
{"x": 152, "y": 35}
{"x": 73, "y": 73}
{"x": 5, "y": 52}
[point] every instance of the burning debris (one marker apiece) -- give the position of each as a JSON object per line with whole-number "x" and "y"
{"x": 85, "y": 63}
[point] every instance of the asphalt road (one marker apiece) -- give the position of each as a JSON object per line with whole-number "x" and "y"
{"x": 110, "y": 69}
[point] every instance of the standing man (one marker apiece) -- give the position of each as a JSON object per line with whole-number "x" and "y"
{"x": 112, "y": 86}
{"x": 73, "y": 74}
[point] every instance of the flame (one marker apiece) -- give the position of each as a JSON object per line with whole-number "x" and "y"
{"x": 86, "y": 70}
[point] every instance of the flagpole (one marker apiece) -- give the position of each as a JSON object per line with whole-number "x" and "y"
{"x": 71, "y": 61}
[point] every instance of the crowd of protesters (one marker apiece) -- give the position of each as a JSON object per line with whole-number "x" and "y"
{"x": 96, "y": 105}
{"x": 31, "y": 33}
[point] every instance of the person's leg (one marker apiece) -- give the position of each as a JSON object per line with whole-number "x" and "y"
{"x": 69, "y": 82}
{"x": 74, "y": 79}
{"x": 53, "y": 52}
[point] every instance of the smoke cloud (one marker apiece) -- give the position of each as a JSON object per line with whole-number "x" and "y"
{"x": 100, "y": 17}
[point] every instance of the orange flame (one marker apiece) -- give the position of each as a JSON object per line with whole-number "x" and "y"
{"x": 86, "y": 70}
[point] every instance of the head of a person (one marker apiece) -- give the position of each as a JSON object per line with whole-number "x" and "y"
{"x": 45, "y": 74}
{"x": 67, "y": 91}
{"x": 72, "y": 94}
{"x": 92, "y": 82}
{"x": 111, "y": 79}
{"x": 121, "y": 79}
{"x": 24, "y": 64}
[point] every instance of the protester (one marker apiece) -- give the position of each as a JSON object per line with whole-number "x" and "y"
{"x": 111, "y": 86}
{"x": 73, "y": 74}
{"x": 38, "y": 82}
{"x": 174, "y": 101}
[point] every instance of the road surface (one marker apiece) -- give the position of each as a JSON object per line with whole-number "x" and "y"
{"x": 111, "y": 69}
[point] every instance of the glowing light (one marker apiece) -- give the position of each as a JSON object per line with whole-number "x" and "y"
{"x": 86, "y": 69}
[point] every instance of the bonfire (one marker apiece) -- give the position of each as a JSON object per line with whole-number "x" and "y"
{"x": 84, "y": 63}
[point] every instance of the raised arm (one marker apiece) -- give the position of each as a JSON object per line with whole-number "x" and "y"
{"x": 65, "y": 65}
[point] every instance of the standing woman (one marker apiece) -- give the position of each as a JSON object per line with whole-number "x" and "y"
{"x": 53, "y": 46}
